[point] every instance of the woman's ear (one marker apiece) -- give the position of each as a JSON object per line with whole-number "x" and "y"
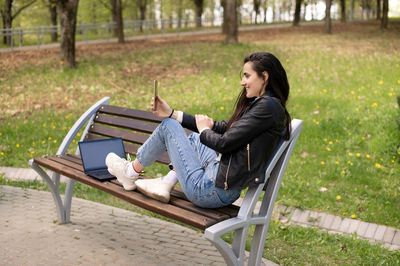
{"x": 266, "y": 76}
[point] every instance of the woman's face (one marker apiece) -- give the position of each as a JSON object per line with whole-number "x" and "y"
{"x": 254, "y": 85}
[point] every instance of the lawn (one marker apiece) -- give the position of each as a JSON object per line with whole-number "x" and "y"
{"x": 343, "y": 86}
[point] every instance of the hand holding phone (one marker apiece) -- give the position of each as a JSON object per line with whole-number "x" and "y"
{"x": 155, "y": 94}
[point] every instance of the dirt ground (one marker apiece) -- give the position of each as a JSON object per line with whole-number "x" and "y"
{"x": 14, "y": 60}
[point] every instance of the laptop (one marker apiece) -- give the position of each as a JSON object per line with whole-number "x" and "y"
{"x": 94, "y": 153}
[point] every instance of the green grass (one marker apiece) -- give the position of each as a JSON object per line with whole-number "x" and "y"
{"x": 343, "y": 87}
{"x": 284, "y": 245}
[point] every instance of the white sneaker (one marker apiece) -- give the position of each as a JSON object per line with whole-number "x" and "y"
{"x": 117, "y": 166}
{"x": 155, "y": 188}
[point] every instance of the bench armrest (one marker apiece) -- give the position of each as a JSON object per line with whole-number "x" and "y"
{"x": 79, "y": 124}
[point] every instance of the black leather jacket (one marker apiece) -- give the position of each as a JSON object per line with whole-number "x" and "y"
{"x": 247, "y": 146}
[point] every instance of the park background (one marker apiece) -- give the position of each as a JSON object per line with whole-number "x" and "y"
{"x": 344, "y": 86}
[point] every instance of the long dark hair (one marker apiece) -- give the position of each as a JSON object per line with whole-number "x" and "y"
{"x": 277, "y": 86}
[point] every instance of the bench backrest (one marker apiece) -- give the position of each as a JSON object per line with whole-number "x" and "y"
{"x": 274, "y": 175}
{"x": 133, "y": 126}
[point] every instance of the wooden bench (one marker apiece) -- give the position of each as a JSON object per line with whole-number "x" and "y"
{"x": 134, "y": 126}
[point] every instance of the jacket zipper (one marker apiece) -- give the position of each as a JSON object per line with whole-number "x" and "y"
{"x": 248, "y": 157}
{"x": 227, "y": 172}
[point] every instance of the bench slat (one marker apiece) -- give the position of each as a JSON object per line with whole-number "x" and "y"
{"x": 131, "y": 113}
{"x": 131, "y": 148}
{"x": 118, "y": 133}
{"x": 125, "y": 123}
{"x": 167, "y": 210}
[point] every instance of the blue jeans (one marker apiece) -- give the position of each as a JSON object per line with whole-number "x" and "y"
{"x": 195, "y": 164}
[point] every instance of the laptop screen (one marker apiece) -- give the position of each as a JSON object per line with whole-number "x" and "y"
{"x": 94, "y": 152}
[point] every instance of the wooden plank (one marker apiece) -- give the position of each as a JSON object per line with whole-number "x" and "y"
{"x": 167, "y": 210}
{"x": 126, "y": 123}
{"x": 131, "y": 113}
{"x": 131, "y": 148}
{"x": 187, "y": 205}
{"x": 118, "y": 133}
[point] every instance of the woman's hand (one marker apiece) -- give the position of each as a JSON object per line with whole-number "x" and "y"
{"x": 203, "y": 121}
{"x": 163, "y": 109}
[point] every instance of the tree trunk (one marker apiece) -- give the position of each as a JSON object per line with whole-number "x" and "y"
{"x": 231, "y": 21}
{"x": 179, "y": 14}
{"x": 352, "y": 10}
{"x": 304, "y": 10}
{"x": 343, "y": 11}
{"x": 8, "y": 17}
{"x": 256, "y": 4}
{"x": 385, "y": 10}
{"x": 120, "y": 22}
{"x": 67, "y": 10}
{"x": 198, "y": 11}
{"x": 297, "y": 9}
{"x": 142, "y": 7}
{"x": 328, "y": 22}
{"x": 265, "y": 10}
{"x": 7, "y": 21}
{"x": 378, "y": 9}
{"x": 53, "y": 20}
{"x": 225, "y": 14}
{"x": 114, "y": 17}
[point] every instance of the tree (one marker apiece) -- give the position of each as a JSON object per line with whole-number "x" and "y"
{"x": 328, "y": 22}
{"x": 265, "y": 7}
{"x": 53, "y": 19}
{"x": 67, "y": 10}
{"x": 142, "y": 7}
{"x": 199, "y": 11}
{"x": 256, "y": 4}
{"x": 230, "y": 21}
{"x": 343, "y": 11}
{"x": 385, "y": 10}
{"x": 297, "y": 9}
{"x": 115, "y": 6}
{"x": 378, "y": 9}
{"x": 8, "y": 13}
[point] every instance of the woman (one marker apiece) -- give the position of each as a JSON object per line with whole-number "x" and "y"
{"x": 215, "y": 164}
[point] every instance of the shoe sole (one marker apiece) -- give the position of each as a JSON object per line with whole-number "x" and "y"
{"x": 153, "y": 196}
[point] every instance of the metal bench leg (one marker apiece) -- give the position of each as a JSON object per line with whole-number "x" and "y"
{"x": 54, "y": 188}
{"x": 257, "y": 244}
{"x": 233, "y": 255}
{"x": 68, "y": 199}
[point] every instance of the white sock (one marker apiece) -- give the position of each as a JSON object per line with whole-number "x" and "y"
{"x": 130, "y": 171}
{"x": 171, "y": 177}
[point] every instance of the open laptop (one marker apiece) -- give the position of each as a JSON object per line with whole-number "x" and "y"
{"x": 94, "y": 153}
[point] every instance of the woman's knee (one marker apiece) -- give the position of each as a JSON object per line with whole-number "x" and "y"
{"x": 170, "y": 122}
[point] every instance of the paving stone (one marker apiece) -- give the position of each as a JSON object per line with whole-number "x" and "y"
{"x": 396, "y": 238}
{"x": 354, "y": 224}
{"x": 327, "y": 222}
{"x": 295, "y": 217}
{"x": 337, "y": 221}
{"x": 371, "y": 229}
{"x": 380, "y": 231}
{"x": 362, "y": 228}
{"x": 345, "y": 225}
{"x": 389, "y": 235}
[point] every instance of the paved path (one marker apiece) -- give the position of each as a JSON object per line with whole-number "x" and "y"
{"x": 97, "y": 235}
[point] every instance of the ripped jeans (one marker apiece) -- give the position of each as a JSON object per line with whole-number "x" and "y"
{"x": 196, "y": 165}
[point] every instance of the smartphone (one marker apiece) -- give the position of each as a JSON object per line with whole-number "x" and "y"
{"x": 155, "y": 94}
